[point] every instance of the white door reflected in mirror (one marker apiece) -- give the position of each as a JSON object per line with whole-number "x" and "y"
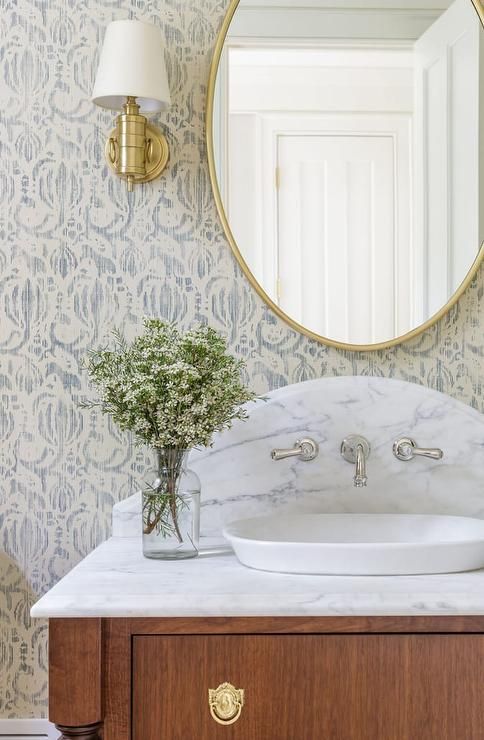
{"x": 346, "y": 150}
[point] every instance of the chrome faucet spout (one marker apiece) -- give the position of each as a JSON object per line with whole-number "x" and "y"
{"x": 356, "y": 449}
{"x": 360, "y": 478}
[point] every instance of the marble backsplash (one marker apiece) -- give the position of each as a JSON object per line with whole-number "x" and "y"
{"x": 240, "y": 479}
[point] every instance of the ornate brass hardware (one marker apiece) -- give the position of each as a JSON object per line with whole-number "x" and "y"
{"x": 226, "y": 703}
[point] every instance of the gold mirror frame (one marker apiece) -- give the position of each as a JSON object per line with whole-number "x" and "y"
{"x": 479, "y": 6}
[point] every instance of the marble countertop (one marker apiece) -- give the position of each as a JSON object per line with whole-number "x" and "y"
{"x": 117, "y": 581}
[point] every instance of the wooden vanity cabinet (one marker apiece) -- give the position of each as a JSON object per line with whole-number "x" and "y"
{"x": 361, "y": 678}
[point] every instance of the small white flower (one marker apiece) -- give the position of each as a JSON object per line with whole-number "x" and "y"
{"x": 170, "y": 389}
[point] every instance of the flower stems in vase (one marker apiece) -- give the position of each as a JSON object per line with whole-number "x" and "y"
{"x": 172, "y": 391}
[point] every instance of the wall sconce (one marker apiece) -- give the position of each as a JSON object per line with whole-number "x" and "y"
{"x": 131, "y": 78}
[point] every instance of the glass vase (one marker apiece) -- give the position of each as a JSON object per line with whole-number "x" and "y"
{"x": 171, "y": 507}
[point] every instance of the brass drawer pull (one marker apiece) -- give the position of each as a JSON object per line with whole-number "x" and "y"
{"x": 226, "y": 703}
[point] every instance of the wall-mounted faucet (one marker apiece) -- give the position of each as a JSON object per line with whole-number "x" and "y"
{"x": 306, "y": 449}
{"x": 356, "y": 449}
{"x": 406, "y": 449}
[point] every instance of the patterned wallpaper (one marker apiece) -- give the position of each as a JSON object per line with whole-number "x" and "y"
{"x": 78, "y": 256}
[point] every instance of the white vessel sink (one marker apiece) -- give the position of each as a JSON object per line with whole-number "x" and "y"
{"x": 359, "y": 544}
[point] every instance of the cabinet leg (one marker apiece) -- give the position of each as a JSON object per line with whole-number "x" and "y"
{"x": 88, "y": 732}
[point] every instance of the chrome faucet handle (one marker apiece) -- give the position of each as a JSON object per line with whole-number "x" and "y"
{"x": 406, "y": 449}
{"x": 305, "y": 449}
{"x": 356, "y": 449}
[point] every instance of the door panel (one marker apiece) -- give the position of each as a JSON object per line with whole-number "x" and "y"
{"x": 337, "y": 229}
{"x": 311, "y": 687}
{"x": 448, "y": 96}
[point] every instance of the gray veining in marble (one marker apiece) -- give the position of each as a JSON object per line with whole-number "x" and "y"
{"x": 239, "y": 478}
{"x": 117, "y": 581}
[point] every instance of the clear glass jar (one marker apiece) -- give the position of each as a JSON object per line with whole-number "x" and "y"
{"x": 171, "y": 507}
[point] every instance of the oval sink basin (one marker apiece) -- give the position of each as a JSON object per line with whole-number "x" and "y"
{"x": 359, "y": 544}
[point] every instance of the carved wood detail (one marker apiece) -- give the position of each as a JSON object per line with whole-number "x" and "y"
{"x": 89, "y": 732}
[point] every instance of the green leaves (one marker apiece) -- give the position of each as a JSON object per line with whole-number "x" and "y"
{"x": 170, "y": 389}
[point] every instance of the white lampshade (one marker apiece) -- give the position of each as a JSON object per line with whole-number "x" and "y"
{"x": 132, "y": 63}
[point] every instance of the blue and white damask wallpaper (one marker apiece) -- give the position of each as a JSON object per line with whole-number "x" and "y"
{"x": 77, "y": 256}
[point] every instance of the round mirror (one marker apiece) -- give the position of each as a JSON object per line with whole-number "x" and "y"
{"x": 344, "y": 150}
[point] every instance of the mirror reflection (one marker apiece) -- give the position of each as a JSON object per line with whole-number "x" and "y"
{"x": 346, "y": 145}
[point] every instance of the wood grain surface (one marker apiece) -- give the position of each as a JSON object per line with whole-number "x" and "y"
{"x": 311, "y": 687}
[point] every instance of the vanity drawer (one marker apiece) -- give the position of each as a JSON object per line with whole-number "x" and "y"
{"x": 311, "y": 687}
